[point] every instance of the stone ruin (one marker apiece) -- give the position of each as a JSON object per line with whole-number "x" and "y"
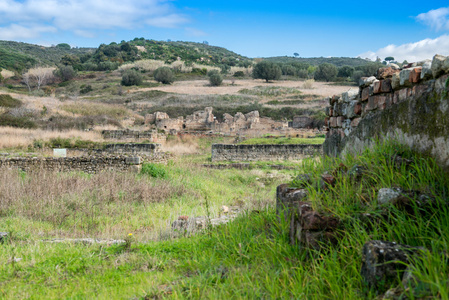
{"x": 204, "y": 120}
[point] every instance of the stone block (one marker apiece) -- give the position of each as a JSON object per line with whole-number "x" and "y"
{"x": 349, "y": 95}
{"x": 365, "y": 94}
{"x": 366, "y": 81}
{"x": 326, "y": 122}
{"x": 333, "y": 122}
{"x": 385, "y": 86}
{"x": 338, "y": 109}
{"x": 340, "y": 121}
{"x": 358, "y": 108}
{"x": 133, "y": 160}
{"x": 381, "y": 102}
{"x": 404, "y": 77}
{"x": 372, "y": 103}
{"x": 387, "y": 72}
{"x": 415, "y": 75}
{"x": 382, "y": 261}
{"x": 329, "y": 110}
{"x": 426, "y": 71}
{"x": 355, "y": 122}
{"x": 438, "y": 65}
{"x": 395, "y": 81}
{"x": 377, "y": 86}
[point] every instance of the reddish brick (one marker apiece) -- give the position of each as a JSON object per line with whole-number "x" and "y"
{"x": 326, "y": 122}
{"x": 358, "y": 108}
{"x": 372, "y": 103}
{"x": 415, "y": 75}
{"x": 386, "y": 86}
{"x": 365, "y": 94}
{"x": 333, "y": 122}
{"x": 340, "y": 121}
{"x": 355, "y": 122}
{"x": 376, "y": 87}
{"x": 403, "y": 94}
{"x": 389, "y": 100}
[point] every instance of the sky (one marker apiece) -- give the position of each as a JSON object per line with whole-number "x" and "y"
{"x": 407, "y": 30}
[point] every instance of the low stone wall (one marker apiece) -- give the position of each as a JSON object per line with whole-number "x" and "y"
{"x": 90, "y": 164}
{"x": 146, "y": 149}
{"x": 231, "y": 152}
{"x": 151, "y": 136}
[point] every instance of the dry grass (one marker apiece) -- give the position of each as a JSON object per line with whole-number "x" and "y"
{"x": 6, "y": 74}
{"x": 308, "y": 84}
{"x": 182, "y": 145}
{"x": 81, "y": 205}
{"x": 97, "y": 109}
{"x": 18, "y": 137}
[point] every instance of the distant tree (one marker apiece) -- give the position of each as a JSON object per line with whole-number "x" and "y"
{"x": 131, "y": 77}
{"x": 345, "y": 71}
{"x": 296, "y": 54}
{"x": 267, "y": 70}
{"x": 37, "y": 77}
{"x": 1, "y": 77}
{"x": 64, "y": 46}
{"x": 65, "y": 73}
{"x": 164, "y": 75}
{"x": 205, "y": 42}
{"x": 357, "y": 75}
{"x": 288, "y": 70}
{"x": 326, "y": 72}
{"x": 215, "y": 78}
{"x": 389, "y": 58}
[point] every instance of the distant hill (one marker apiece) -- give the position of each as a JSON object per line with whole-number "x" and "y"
{"x": 338, "y": 61}
{"x": 17, "y": 56}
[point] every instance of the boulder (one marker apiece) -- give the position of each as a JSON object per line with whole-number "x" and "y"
{"x": 426, "y": 71}
{"x": 438, "y": 65}
{"x": 404, "y": 77}
{"x": 366, "y": 81}
{"x": 350, "y": 95}
{"x": 388, "y": 195}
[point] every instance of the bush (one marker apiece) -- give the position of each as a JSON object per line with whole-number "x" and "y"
{"x": 267, "y": 70}
{"x": 215, "y": 78}
{"x": 164, "y": 75}
{"x": 302, "y": 74}
{"x": 84, "y": 89}
{"x": 345, "y": 71}
{"x": 357, "y": 75}
{"x": 239, "y": 74}
{"x": 154, "y": 170}
{"x": 8, "y": 101}
{"x": 18, "y": 122}
{"x": 131, "y": 77}
{"x": 65, "y": 73}
{"x": 326, "y": 72}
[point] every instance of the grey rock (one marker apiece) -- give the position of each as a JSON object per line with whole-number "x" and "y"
{"x": 404, "y": 77}
{"x": 395, "y": 81}
{"x": 387, "y": 195}
{"x": 438, "y": 65}
{"x": 349, "y": 95}
{"x": 366, "y": 81}
{"x": 426, "y": 72}
{"x": 394, "y": 66}
{"x": 3, "y": 236}
{"x": 350, "y": 113}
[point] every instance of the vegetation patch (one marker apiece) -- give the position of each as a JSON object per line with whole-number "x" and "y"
{"x": 270, "y": 91}
{"x": 97, "y": 109}
{"x": 8, "y": 101}
{"x": 283, "y": 141}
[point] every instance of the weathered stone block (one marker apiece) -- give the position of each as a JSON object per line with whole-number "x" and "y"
{"x": 438, "y": 67}
{"x": 404, "y": 77}
{"x": 355, "y": 122}
{"x": 358, "y": 108}
{"x": 333, "y": 122}
{"x": 396, "y": 81}
{"x": 340, "y": 121}
{"x": 386, "y": 86}
{"x": 377, "y": 87}
{"x": 383, "y": 261}
{"x": 372, "y": 103}
{"x": 381, "y": 102}
{"x": 415, "y": 75}
{"x": 366, "y": 81}
{"x": 387, "y": 72}
{"x": 365, "y": 94}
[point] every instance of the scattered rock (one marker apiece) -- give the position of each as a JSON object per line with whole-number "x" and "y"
{"x": 382, "y": 261}
{"x": 327, "y": 180}
{"x": 3, "y": 236}
{"x": 388, "y": 195}
{"x": 287, "y": 199}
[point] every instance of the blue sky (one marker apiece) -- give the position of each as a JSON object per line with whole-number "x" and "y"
{"x": 403, "y": 29}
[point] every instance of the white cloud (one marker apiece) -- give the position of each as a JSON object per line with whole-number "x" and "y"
{"x": 412, "y": 52}
{"x": 194, "y": 32}
{"x": 437, "y": 19}
{"x": 81, "y": 16}
{"x": 15, "y": 31}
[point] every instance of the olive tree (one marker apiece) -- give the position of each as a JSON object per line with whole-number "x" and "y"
{"x": 326, "y": 72}
{"x": 164, "y": 75}
{"x": 267, "y": 70}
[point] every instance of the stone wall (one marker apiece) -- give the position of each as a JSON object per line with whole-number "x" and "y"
{"x": 90, "y": 164}
{"x": 230, "y": 152}
{"x": 410, "y": 105}
{"x": 151, "y": 136}
{"x": 146, "y": 149}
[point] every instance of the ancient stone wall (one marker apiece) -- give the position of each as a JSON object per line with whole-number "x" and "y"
{"x": 146, "y": 149}
{"x": 230, "y": 152}
{"x": 410, "y": 105}
{"x": 151, "y": 136}
{"x": 90, "y": 164}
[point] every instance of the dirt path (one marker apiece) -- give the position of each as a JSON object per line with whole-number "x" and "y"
{"x": 201, "y": 87}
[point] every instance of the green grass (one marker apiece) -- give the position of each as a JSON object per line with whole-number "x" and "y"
{"x": 250, "y": 258}
{"x": 270, "y": 91}
{"x": 283, "y": 140}
{"x": 96, "y": 109}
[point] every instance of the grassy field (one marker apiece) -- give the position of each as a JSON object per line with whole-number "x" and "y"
{"x": 283, "y": 140}
{"x": 250, "y": 257}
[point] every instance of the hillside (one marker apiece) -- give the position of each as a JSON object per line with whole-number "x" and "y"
{"x": 315, "y": 61}
{"x": 16, "y": 56}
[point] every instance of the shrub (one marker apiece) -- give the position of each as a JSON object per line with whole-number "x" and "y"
{"x": 154, "y": 170}
{"x": 357, "y": 75}
{"x": 267, "y": 70}
{"x": 84, "y": 89}
{"x": 345, "y": 71}
{"x": 65, "y": 73}
{"x": 164, "y": 75}
{"x": 19, "y": 122}
{"x": 215, "y": 78}
{"x": 302, "y": 73}
{"x": 239, "y": 74}
{"x": 8, "y": 101}
{"x": 131, "y": 77}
